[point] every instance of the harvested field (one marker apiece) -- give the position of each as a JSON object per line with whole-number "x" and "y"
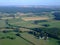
{"x": 23, "y": 29}
{"x": 9, "y": 18}
{"x": 35, "y": 18}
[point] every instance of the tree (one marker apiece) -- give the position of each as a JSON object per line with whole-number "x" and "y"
{"x": 46, "y": 25}
{"x": 5, "y": 31}
{"x": 57, "y": 15}
{"x": 18, "y": 34}
{"x": 16, "y": 30}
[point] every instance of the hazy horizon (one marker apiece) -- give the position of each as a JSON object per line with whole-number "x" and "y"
{"x": 29, "y": 2}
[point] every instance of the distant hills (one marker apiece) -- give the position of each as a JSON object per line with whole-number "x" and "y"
{"x": 40, "y": 6}
{"x": 27, "y": 9}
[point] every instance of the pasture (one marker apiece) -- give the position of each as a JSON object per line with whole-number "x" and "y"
{"x": 27, "y": 22}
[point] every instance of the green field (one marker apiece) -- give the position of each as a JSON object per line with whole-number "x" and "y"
{"x": 20, "y": 41}
{"x": 2, "y": 23}
{"x": 29, "y": 24}
{"x": 17, "y": 41}
{"x": 29, "y": 37}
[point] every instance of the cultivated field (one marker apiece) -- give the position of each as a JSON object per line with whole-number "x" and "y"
{"x": 34, "y": 18}
{"x": 26, "y": 22}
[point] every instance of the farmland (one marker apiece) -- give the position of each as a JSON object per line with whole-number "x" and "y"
{"x": 29, "y": 29}
{"x": 35, "y": 18}
{"x": 27, "y": 39}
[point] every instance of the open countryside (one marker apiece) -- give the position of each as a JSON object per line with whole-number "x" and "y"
{"x": 42, "y": 28}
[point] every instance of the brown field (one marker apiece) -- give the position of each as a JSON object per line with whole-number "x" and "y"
{"x": 34, "y": 18}
{"x": 23, "y": 29}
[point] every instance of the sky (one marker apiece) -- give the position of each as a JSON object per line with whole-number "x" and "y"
{"x": 29, "y": 2}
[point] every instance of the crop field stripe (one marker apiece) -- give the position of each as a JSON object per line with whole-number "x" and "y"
{"x": 34, "y": 18}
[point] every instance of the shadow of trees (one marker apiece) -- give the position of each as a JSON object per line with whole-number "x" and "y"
{"x": 46, "y": 32}
{"x": 57, "y": 15}
{"x": 58, "y": 42}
